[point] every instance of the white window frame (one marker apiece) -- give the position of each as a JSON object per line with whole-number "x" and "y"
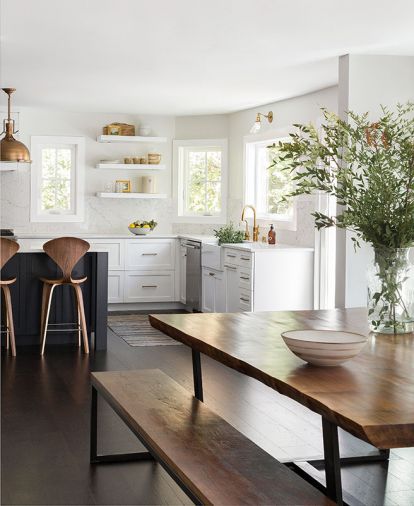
{"x": 78, "y": 144}
{"x": 178, "y": 180}
{"x": 250, "y": 180}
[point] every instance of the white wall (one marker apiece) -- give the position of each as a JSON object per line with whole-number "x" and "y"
{"x": 236, "y": 127}
{"x": 365, "y": 83}
{"x": 102, "y": 215}
{"x": 112, "y": 215}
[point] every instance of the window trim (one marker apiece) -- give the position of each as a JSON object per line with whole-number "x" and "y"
{"x": 178, "y": 187}
{"x": 268, "y": 136}
{"x": 37, "y": 142}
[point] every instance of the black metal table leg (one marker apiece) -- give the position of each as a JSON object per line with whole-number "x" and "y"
{"x": 198, "y": 380}
{"x": 332, "y": 461}
{"x": 118, "y": 457}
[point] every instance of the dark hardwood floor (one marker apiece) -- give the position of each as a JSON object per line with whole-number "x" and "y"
{"x": 45, "y": 431}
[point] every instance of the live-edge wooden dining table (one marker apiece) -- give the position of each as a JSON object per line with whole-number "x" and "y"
{"x": 370, "y": 396}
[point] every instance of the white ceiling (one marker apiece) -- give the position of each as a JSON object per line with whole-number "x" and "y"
{"x": 188, "y": 56}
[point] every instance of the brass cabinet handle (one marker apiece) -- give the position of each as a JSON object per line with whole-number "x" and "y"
{"x": 244, "y": 277}
{"x": 149, "y": 254}
{"x": 149, "y": 286}
{"x": 244, "y": 300}
{"x": 244, "y": 258}
{"x": 211, "y": 274}
{"x": 231, "y": 256}
{"x": 231, "y": 267}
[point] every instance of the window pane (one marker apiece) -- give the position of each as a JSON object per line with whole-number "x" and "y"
{"x": 48, "y": 162}
{"x": 214, "y": 165}
{"x": 62, "y": 195}
{"x": 196, "y": 197}
{"x": 279, "y": 184}
{"x": 213, "y": 198}
{"x": 64, "y": 163}
{"x": 197, "y": 165}
{"x": 48, "y": 195}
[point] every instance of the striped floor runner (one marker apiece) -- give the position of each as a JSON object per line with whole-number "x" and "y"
{"x": 136, "y": 330}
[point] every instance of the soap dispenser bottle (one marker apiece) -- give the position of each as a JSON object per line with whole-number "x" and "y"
{"x": 271, "y": 236}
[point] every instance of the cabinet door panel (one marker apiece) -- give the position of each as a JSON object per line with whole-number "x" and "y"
{"x": 208, "y": 291}
{"x": 232, "y": 289}
{"x": 115, "y": 249}
{"x": 115, "y": 286}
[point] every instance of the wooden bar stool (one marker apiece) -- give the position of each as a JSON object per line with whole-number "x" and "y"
{"x": 8, "y": 249}
{"x": 66, "y": 253}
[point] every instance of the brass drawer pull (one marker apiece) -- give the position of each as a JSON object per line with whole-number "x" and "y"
{"x": 231, "y": 256}
{"x": 244, "y": 258}
{"x": 211, "y": 274}
{"x": 149, "y": 286}
{"x": 244, "y": 277}
{"x": 230, "y": 267}
{"x": 244, "y": 300}
{"x": 149, "y": 254}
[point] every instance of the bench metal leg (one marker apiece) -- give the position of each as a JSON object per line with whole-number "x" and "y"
{"x": 117, "y": 457}
{"x": 197, "y": 377}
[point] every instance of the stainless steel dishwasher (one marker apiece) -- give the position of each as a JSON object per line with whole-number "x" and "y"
{"x": 193, "y": 274}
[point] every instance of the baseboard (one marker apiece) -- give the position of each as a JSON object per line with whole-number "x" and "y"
{"x": 146, "y": 306}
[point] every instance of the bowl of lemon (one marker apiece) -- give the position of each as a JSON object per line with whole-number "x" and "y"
{"x": 142, "y": 227}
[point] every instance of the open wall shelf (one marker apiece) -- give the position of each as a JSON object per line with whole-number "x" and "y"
{"x": 131, "y": 195}
{"x": 130, "y": 138}
{"x": 148, "y": 168}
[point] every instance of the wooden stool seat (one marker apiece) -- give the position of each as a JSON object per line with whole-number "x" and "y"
{"x": 66, "y": 253}
{"x": 8, "y": 249}
{"x": 63, "y": 281}
{"x": 7, "y": 281}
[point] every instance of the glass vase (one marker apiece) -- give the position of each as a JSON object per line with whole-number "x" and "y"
{"x": 391, "y": 291}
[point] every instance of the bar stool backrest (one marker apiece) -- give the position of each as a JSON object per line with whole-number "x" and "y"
{"x": 66, "y": 253}
{"x": 8, "y": 249}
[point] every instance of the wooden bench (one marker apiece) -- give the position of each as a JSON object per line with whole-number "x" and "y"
{"x": 209, "y": 459}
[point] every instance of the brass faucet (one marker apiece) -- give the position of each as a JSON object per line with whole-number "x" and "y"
{"x": 255, "y": 227}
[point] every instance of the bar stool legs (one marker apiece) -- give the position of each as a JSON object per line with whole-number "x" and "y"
{"x": 9, "y": 320}
{"x": 48, "y": 290}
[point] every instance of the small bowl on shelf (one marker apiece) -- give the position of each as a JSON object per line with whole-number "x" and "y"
{"x": 326, "y": 348}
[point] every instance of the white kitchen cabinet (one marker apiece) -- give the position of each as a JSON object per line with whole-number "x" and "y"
{"x": 155, "y": 286}
{"x": 183, "y": 274}
{"x": 150, "y": 254}
{"x": 115, "y": 249}
{"x": 268, "y": 279}
{"x": 232, "y": 288}
{"x": 213, "y": 296}
{"x": 116, "y": 286}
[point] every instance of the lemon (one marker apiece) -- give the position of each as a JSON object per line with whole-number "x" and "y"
{"x": 132, "y": 225}
{"x": 146, "y": 226}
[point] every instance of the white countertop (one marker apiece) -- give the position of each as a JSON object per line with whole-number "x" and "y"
{"x": 263, "y": 246}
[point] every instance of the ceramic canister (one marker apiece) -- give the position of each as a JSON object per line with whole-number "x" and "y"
{"x": 149, "y": 184}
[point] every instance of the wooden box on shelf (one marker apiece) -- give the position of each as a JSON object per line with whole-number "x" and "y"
{"x": 119, "y": 129}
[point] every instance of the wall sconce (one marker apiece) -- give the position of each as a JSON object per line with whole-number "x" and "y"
{"x": 258, "y": 124}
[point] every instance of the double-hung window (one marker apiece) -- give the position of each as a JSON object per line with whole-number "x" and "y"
{"x": 57, "y": 179}
{"x": 200, "y": 177}
{"x": 266, "y": 184}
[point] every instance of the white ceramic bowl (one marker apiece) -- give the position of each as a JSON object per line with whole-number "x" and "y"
{"x": 140, "y": 231}
{"x": 324, "y": 347}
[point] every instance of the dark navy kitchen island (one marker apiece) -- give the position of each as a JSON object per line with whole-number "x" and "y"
{"x": 26, "y": 292}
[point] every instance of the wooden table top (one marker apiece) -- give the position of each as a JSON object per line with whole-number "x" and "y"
{"x": 370, "y": 396}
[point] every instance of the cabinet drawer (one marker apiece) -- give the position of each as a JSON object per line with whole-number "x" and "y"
{"x": 115, "y": 249}
{"x": 149, "y": 287}
{"x": 230, "y": 256}
{"x": 147, "y": 254}
{"x": 245, "y": 279}
{"x": 244, "y": 259}
{"x": 115, "y": 286}
{"x": 245, "y": 300}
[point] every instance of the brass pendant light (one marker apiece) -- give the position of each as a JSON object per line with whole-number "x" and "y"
{"x": 12, "y": 150}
